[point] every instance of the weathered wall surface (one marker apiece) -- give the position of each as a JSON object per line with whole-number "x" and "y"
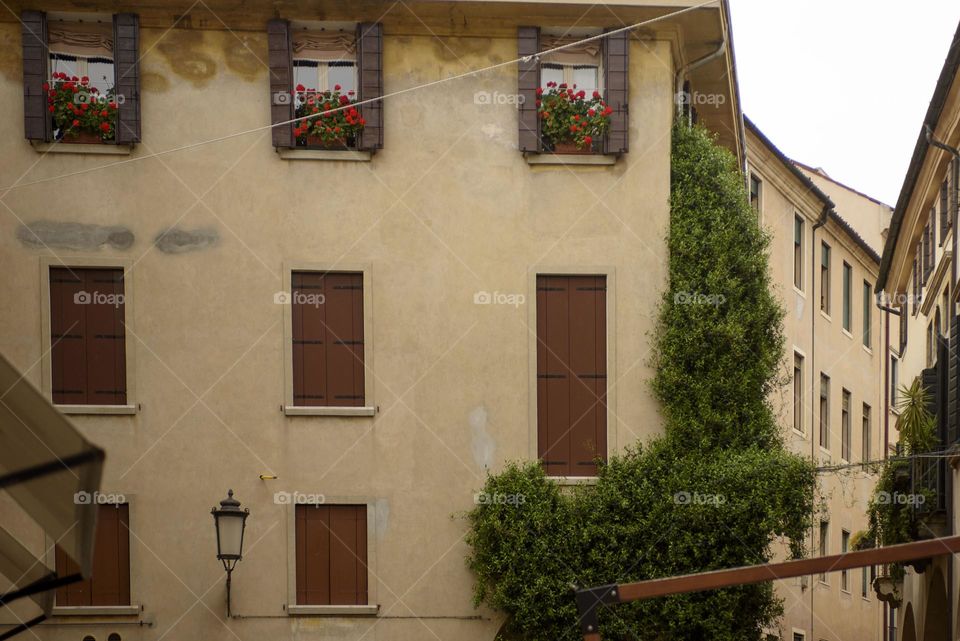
{"x": 448, "y": 208}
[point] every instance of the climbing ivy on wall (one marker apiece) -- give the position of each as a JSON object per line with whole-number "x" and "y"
{"x": 716, "y": 490}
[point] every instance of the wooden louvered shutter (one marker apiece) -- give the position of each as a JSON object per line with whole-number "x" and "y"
{"x": 36, "y": 118}
{"x": 953, "y": 422}
{"x": 944, "y": 207}
{"x": 281, "y": 81}
{"x": 72, "y": 594}
{"x": 106, "y": 337}
{"x": 571, "y": 373}
{"x": 528, "y": 81}
{"x": 616, "y": 70}
{"x": 370, "y": 81}
{"x": 328, "y": 341}
{"x": 126, "y": 69}
{"x": 109, "y": 582}
{"x": 68, "y": 337}
{"x": 331, "y": 554}
{"x": 904, "y": 310}
{"x": 344, "y": 338}
{"x": 348, "y": 555}
{"x": 309, "y": 345}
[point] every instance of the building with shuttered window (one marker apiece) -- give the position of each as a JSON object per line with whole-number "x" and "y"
{"x": 919, "y": 272}
{"x": 837, "y": 354}
{"x": 348, "y": 334}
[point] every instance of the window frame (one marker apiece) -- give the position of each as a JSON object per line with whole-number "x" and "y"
{"x": 375, "y": 509}
{"x": 369, "y": 408}
{"x": 826, "y": 274}
{"x": 846, "y": 298}
{"x": 756, "y": 197}
{"x": 799, "y": 363}
{"x": 799, "y": 236}
{"x": 609, "y": 272}
{"x": 823, "y": 546}
{"x": 46, "y": 362}
{"x": 134, "y": 608}
{"x": 867, "y": 320}
{"x": 824, "y": 417}
{"x": 844, "y": 548}
{"x": 846, "y": 427}
{"x": 866, "y": 435}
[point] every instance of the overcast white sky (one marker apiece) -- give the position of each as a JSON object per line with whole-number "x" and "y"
{"x": 843, "y": 84}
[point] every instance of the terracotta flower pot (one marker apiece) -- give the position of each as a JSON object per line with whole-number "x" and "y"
{"x": 570, "y": 147}
{"x": 82, "y": 137}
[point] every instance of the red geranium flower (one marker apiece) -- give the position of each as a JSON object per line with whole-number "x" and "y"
{"x": 76, "y": 123}
{"x": 105, "y": 126}
{"x": 301, "y": 88}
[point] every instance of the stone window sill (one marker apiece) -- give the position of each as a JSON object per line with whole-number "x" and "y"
{"x": 97, "y": 409}
{"x": 106, "y": 149}
{"x": 333, "y": 610}
{"x": 574, "y": 480}
{"x": 98, "y": 610}
{"x": 323, "y": 154}
{"x": 296, "y": 410}
{"x": 570, "y": 159}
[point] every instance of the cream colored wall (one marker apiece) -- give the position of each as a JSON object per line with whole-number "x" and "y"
{"x": 823, "y": 611}
{"x": 869, "y": 217}
{"x": 448, "y": 208}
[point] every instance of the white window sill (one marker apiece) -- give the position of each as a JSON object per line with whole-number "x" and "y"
{"x": 333, "y": 610}
{"x": 296, "y": 410}
{"x": 570, "y": 159}
{"x": 799, "y": 292}
{"x": 97, "y": 409}
{"x": 867, "y": 349}
{"x": 323, "y": 154}
{"x": 105, "y": 149}
{"x": 574, "y": 480}
{"x": 826, "y": 315}
{"x": 97, "y": 610}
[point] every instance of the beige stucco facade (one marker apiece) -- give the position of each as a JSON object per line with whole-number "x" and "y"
{"x": 448, "y": 208}
{"x": 822, "y": 609}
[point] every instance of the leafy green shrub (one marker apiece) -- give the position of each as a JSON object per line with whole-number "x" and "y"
{"x": 715, "y": 491}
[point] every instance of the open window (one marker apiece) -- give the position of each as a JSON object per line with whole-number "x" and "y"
{"x": 81, "y": 78}
{"x": 322, "y": 77}
{"x": 578, "y": 80}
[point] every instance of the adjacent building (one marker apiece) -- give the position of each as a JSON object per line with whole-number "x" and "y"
{"x": 836, "y": 358}
{"x": 919, "y": 272}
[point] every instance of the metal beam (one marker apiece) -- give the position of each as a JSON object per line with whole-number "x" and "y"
{"x": 589, "y": 599}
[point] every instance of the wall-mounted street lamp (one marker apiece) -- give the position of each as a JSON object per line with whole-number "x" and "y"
{"x": 230, "y": 522}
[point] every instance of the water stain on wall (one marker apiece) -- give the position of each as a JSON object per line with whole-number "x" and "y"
{"x": 155, "y": 82}
{"x": 44, "y": 234}
{"x": 177, "y": 240}
{"x": 11, "y": 62}
{"x": 458, "y": 49}
{"x": 184, "y": 51}
{"x": 246, "y": 55}
{"x": 482, "y": 444}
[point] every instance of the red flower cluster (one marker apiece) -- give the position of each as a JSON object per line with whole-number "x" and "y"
{"x": 567, "y": 115}
{"x": 78, "y": 107}
{"x": 328, "y": 116}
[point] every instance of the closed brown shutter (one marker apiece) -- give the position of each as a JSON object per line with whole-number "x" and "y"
{"x": 616, "y": 70}
{"x": 328, "y": 340}
{"x": 571, "y": 373}
{"x": 331, "y": 554}
{"x": 528, "y": 81}
{"x": 106, "y": 338}
{"x": 126, "y": 69}
{"x": 87, "y": 336}
{"x": 109, "y": 583}
{"x": 370, "y": 81}
{"x": 281, "y": 81}
{"x": 68, "y": 337}
{"x": 36, "y": 118}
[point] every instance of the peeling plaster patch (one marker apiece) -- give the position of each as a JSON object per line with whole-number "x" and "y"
{"x": 11, "y": 61}
{"x": 184, "y": 53}
{"x": 455, "y": 49}
{"x": 381, "y": 517}
{"x": 47, "y": 233}
{"x": 482, "y": 444}
{"x": 179, "y": 241}
{"x": 495, "y": 133}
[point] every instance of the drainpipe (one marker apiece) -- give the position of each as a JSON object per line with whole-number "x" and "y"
{"x": 815, "y": 387}
{"x": 953, "y": 151}
{"x": 887, "y": 610}
{"x": 690, "y": 66}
